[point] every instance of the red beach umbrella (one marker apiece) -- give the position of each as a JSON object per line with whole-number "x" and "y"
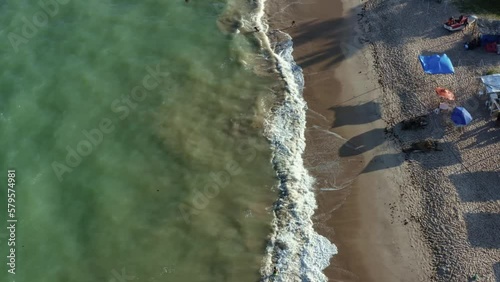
{"x": 445, "y": 93}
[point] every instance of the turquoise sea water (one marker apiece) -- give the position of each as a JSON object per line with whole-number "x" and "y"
{"x": 136, "y": 132}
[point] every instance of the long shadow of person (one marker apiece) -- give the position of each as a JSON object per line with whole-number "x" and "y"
{"x": 384, "y": 161}
{"x": 368, "y": 112}
{"x": 362, "y": 143}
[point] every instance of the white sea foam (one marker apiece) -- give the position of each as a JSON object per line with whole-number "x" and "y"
{"x": 294, "y": 248}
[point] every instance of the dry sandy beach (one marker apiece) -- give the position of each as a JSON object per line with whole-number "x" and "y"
{"x": 395, "y": 217}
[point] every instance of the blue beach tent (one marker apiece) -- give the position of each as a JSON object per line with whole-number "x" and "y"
{"x": 437, "y": 64}
{"x": 460, "y": 116}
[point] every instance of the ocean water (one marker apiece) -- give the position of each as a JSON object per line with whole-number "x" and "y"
{"x": 150, "y": 141}
{"x": 136, "y": 132}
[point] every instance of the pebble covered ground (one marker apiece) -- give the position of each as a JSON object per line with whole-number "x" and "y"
{"x": 454, "y": 194}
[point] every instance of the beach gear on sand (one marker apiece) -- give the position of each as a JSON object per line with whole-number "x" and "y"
{"x": 437, "y": 64}
{"x": 443, "y": 107}
{"x": 445, "y": 93}
{"x": 460, "y": 23}
{"x": 491, "y": 83}
{"x": 460, "y": 116}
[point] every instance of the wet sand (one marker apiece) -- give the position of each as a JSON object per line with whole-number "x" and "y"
{"x": 394, "y": 216}
{"x": 362, "y": 208}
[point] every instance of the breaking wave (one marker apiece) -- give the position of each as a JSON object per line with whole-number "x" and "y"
{"x": 295, "y": 249}
{"x": 295, "y": 252}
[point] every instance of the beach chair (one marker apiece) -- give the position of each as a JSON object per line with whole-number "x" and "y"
{"x": 493, "y": 104}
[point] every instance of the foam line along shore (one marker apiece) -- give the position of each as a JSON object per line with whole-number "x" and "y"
{"x": 296, "y": 252}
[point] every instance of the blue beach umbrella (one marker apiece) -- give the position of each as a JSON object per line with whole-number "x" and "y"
{"x": 437, "y": 64}
{"x": 460, "y": 116}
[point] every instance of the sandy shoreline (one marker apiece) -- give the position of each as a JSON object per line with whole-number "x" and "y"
{"x": 391, "y": 219}
{"x": 343, "y": 126}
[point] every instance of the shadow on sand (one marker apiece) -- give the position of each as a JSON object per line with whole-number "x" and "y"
{"x": 482, "y": 229}
{"x": 362, "y": 143}
{"x": 384, "y": 161}
{"x": 465, "y": 181}
{"x": 343, "y": 115}
{"x": 429, "y": 160}
{"x": 333, "y": 51}
{"x": 484, "y": 136}
{"x": 496, "y": 270}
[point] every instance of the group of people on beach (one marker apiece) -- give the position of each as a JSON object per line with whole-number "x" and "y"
{"x": 461, "y": 20}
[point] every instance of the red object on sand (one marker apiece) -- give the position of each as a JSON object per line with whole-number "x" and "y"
{"x": 491, "y": 47}
{"x": 445, "y": 93}
{"x": 460, "y": 23}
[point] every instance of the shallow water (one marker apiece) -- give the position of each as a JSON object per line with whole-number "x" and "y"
{"x": 135, "y": 130}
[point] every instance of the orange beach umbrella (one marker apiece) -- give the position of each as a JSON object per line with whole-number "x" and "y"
{"x": 445, "y": 93}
